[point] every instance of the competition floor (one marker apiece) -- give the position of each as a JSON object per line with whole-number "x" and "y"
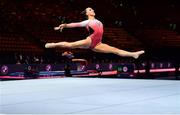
{"x": 90, "y": 96}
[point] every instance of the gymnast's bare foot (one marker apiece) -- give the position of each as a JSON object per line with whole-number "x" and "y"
{"x": 50, "y": 45}
{"x": 138, "y": 53}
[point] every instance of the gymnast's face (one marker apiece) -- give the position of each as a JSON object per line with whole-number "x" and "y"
{"x": 90, "y": 12}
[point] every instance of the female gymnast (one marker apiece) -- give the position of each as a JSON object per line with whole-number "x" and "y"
{"x": 93, "y": 41}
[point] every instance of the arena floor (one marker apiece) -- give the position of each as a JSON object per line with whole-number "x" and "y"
{"x": 90, "y": 96}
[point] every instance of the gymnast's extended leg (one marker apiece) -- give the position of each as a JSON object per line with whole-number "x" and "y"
{"x": 85, "y": 44}
{"x": 104, "y": 48}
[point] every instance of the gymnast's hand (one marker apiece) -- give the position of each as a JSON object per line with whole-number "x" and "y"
{"x": 60, "y": 27}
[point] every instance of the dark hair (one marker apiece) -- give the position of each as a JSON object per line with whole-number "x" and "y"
{"x": 83, "y": 12}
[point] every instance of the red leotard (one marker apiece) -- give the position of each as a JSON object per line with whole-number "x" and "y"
{"x": 96, "y": 25}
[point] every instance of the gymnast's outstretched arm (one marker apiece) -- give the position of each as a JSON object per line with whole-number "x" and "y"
{"x": 72, "y": 25}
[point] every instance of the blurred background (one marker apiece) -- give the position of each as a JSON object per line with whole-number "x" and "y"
{"x": 25, "y": 26}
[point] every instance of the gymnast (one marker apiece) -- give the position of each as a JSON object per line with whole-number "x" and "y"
{"x": 94, "y": 40}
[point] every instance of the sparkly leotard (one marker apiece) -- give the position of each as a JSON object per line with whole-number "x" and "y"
{"x": 95, "y": 25}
